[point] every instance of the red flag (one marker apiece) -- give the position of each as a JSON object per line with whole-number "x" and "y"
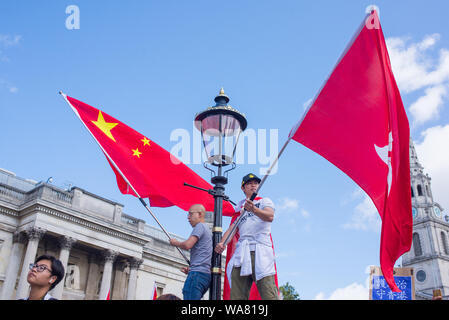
{"x": 138, "y": 161}
{"x": 154, "y": 297}
{"x": 230, "y": 248}
{"x": 358, "y": 123}
{"x": 109, "y": 297}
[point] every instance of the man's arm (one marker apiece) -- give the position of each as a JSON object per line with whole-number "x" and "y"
{"x": 186, "y": 245}
{"x": 266, "y": 214}
{"x": 219, "y": 248}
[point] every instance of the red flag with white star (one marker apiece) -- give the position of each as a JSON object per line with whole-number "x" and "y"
{"x": 358, "y": 123}
{"x": 152, "y": 171}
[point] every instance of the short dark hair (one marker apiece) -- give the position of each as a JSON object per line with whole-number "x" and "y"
{"x": 168, "y": 296}
{"x": 57, "y": 269}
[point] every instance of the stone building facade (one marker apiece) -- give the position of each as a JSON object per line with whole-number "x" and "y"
{"x": 103, "y": 249}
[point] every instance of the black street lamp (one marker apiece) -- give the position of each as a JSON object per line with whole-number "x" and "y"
{"x": 220, "y": 128}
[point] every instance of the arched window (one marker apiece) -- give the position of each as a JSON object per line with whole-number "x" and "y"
{"x": 419, "y": 190}
{"x": 427, "y": 190}
{"x": 444, "y": 241}
{"x": 417, "y": 245}
{"x": 413, "y": 194}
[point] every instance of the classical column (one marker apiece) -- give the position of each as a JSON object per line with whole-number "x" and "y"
{"x": 93, "y": 276}
{"x": 134, "y": 264}
{"x": 109, "y": 257}
{"x": 12, "y": 271}
{"x": 119, "y": 280}
{"x": 34, "y": 235}
{"x": 65, "y": 243}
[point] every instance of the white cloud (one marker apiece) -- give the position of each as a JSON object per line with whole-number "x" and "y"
{"x": 7, "y": 40}
{"x": 305, "y": 213}
{"x": 433, "y": 154}
{"x": 354, "y": 291}
{"x": 287, "y": 204}
{"x": 11, "y": 88}
{"x": 292, "y": 206}
{"x": 415, "y": 68}
{"x": 412, "y": 66}
{"x": 285, "y": 254}
{"x": 365, "y": 216}
{"x": 428, "y": 106}
{"x": 289, "y": 211}
{"x": 3, "y": 57}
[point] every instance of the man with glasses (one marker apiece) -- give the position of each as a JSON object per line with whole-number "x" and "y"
{"x": 200, "y": 245}
{"x": 43, "y": 276}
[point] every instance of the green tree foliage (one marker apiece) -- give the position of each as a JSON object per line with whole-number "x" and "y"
{"x": 289, "y": 292}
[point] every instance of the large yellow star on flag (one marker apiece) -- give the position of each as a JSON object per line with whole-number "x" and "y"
{"x": 104, "y": 126}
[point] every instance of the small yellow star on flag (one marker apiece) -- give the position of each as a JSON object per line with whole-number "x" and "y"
{"x": 136, "y": 152}
{"x": 104, "y": 126}
{"x": 145, "y": 141}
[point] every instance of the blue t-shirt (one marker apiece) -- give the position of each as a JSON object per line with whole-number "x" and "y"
{"x": 201, "y": 252}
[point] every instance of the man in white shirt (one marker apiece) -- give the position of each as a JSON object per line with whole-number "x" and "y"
{"x": 253, "y": 258}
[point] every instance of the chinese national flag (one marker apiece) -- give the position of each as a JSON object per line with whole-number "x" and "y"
{"x": 151, "y": 170}
{"x": 358, "y": 123}
{"x": 230, "y": 248}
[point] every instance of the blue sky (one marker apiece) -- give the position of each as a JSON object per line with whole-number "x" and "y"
{"x": 154, "y": 64}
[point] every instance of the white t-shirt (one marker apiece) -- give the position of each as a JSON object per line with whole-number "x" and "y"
{"x": 252, "y": 226}
{"x": 254, "y": 236}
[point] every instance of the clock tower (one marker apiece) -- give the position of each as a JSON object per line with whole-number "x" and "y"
{"x": 429, "y": 254}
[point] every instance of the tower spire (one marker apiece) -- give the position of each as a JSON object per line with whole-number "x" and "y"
{"x": 415, "y": 165}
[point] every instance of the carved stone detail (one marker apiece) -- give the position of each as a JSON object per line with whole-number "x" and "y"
{"x": 34, "y": 233}
{"x": 134, "y": 263}
{"x": 109, "y": 255}
{"x": 19, "y": 237}
{"x": 66, "y": 242}
{"x": 121, "y": 265}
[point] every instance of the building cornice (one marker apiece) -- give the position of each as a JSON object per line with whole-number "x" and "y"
{"x": 8, "y": 212}
{"x": 425, "y": 258}
{"x": 38, "y": 206}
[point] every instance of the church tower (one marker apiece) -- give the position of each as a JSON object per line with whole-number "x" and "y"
{"x": 429, "y": 254}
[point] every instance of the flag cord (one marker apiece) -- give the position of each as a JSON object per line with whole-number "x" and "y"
{"x": 123, "y": 176}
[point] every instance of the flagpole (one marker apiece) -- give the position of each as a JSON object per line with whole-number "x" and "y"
{"x": 253, "y": 196}
{"x": 123, "y": 176}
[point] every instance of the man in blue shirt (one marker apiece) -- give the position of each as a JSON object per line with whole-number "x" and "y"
{"x": 200, "y": 245}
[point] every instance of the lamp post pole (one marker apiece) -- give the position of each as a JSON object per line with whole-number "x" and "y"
{"x": 219, "y": 182}
{"x": 215, "y": 289}
{"x": 220, "y": 122}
